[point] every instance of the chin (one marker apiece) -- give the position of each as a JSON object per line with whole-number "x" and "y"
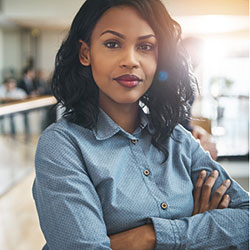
{"x": 128, "y": 100}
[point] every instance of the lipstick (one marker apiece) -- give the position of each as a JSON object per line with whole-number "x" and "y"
{"x": 128, "y": 81}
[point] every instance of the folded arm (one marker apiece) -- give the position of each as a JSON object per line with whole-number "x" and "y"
{"x": 144, "y": 237}
{"x": 208, "y": 228}
{"x": 215, "y": 229}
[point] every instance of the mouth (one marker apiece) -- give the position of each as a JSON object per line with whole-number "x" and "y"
{"x": 128, "y": 81}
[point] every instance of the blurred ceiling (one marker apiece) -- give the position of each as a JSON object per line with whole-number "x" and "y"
{"x": 59, "y": 13}
{"x": 207, "y": 7}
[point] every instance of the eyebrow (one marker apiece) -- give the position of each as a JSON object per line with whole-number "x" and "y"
{"x": 123, "y": 37}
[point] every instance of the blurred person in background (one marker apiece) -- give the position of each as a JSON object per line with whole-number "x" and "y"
{"x": 42, "y": 83}
{"x": 44, "y": 88}
{"x": 9, "y": 92}
{"x": 28, "y": 83}
{"x": 193, "y": 47}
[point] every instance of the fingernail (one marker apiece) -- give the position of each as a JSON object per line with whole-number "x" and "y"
{"x": 227, "y": 196}
{"x": 203, "y": 173}
{"x": 215, "y": 173}
{"x": 227, "y": 181}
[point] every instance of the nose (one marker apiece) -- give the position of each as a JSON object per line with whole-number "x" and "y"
{"x": 129, "y": 59}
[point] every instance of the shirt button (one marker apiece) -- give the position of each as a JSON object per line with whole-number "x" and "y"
{"x": 164, "y": 205}
{"x": 134, "y": 141}
{"x": 146, "y": 172}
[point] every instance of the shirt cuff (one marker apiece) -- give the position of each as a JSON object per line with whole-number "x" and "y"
{"x": 166, "y": 233}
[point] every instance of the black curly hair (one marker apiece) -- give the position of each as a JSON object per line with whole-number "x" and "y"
{"x": 172, "y": 87}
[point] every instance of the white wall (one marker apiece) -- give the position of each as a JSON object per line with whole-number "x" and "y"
{"x": 41, "y": 13}
{"x": 41, "y": 8}
{"x": 207, "y": 7}
{"x": 16, "y": 47}
{"x": 67, "y": 9}
{"x": 12, "y": 49}
{"x": 49, "y": 43}
{"x": 1, "y": 55}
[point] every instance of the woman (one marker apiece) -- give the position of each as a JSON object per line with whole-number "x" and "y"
{"x": 108, "y": 175}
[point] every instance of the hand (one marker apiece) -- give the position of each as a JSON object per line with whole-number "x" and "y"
{"x": 139, "y": 238}
{"x": 205, "y": 141}
{"x": 199, "y": 133}
{"x": 210, "y": 147}
{"x": 202, "y": 193}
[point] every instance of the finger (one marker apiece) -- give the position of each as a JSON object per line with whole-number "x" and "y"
{"x": 218, "y": 194}
{"x": 197, "y": 191}
{"x": 225, "y": 202}
{"x": 206, "y": 190}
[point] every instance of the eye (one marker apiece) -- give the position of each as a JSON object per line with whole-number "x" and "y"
{"x": 112, "y": 44}
{"x": 146, "y": 47}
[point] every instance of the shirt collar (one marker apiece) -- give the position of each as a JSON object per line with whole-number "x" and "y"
{"x": 106, "y": 127}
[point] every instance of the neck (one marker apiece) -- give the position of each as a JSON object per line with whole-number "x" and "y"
{"x": 125, "y": 115}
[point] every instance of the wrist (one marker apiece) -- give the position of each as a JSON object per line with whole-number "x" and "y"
{"x": 142, "y": 238}
{"x": 151, "y": 237}
{"x": 145, "y": 237}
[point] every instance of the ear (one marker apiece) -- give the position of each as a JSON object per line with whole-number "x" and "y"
{"x": 84, "y": 55}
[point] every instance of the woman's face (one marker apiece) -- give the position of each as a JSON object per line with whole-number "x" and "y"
{"x": 123, "y": 56}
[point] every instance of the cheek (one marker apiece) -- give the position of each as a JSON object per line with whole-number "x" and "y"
{"x": 151, "y": 68}
{"x": 99, "y": 71}
{"x": 101, "y": 67}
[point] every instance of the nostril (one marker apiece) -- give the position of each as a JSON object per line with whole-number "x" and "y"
{"x": 134, "y": 66}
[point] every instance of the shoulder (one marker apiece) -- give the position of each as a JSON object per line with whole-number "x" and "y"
{"x": 58, "y": 152}
{"x": 183, "y": 142}
{"x": 63, "y": 133}
{"x": 64, "y": 126}
{"x": 62, "y": 141}
{"x": 61, "y": 125}
{"x": 182, "y": 134}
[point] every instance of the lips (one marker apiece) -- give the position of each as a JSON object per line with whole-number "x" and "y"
{"x": 128, "y": 81}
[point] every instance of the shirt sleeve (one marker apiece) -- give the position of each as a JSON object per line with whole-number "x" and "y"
{"x": 215, "y": 229}
{"x": 68, "y": 205}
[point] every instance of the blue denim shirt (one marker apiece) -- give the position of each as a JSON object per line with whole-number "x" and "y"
{"x": 93, "y": 183}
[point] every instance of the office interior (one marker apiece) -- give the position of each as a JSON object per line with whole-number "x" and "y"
{"x": 30, "y": 35}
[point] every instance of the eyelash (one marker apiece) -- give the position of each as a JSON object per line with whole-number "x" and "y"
{"x": 115, "y": 44}
{"x": 150, "y": 47}
{"x": 107, "y": 44}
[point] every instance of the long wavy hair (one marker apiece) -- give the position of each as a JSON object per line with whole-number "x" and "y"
{"x": 172, "y": 87}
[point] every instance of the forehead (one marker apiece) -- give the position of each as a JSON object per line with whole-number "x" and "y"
{"x": 124, "y": 19}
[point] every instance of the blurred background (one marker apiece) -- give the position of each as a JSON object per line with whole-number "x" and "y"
{"x": 216, "y": 37}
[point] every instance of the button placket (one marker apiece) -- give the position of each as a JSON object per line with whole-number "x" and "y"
{"x": 146, "y": 172}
